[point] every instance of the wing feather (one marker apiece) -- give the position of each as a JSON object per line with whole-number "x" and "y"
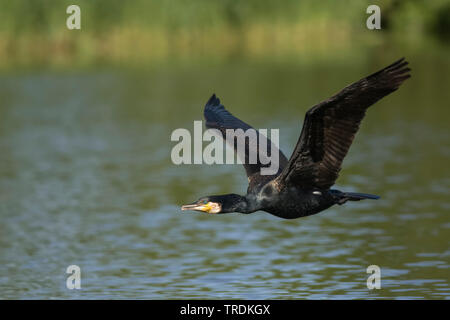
{"x": 217, "y": 117}
{"x": 330, "y": 127}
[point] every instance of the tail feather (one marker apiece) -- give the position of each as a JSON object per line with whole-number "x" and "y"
{"x": 343, "y": 197}
{"x": 356, "y": 196}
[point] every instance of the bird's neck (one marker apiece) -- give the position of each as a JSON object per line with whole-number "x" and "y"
{"x": 245, "y": 204}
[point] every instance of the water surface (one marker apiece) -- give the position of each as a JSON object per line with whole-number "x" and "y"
{"x": 86, "y": 179}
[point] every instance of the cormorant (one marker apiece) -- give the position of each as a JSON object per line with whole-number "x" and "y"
{"x": 301, "y": 187}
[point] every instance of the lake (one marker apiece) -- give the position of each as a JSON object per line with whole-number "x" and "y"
{"x": 86, "y": 179}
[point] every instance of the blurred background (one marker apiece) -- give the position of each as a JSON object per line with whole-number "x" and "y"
{"x": 85, "y": 170}
{"x": 140, "y": 32}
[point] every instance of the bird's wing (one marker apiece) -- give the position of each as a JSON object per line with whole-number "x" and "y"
{"x": 217, "y": 117}
{"x": 330, "y": 126}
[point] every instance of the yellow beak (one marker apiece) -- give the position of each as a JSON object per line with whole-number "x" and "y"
{"x": 197, "y": 207}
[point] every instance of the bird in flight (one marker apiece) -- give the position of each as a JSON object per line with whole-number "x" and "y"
{"x": 301, "y": 187}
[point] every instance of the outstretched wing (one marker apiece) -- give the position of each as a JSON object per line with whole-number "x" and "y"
{"x": 330, "y": 126}
{"x": 217, "y": 117}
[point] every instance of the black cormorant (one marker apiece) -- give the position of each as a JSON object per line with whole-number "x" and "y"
{"x": 301, "y": 187}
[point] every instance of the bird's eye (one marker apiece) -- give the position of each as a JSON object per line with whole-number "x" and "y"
{"x": 204, "y": 202}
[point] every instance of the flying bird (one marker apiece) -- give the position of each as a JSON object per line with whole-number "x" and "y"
{"x": 301, "y": 187}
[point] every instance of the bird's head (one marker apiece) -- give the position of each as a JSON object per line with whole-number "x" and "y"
{"x": 217, "y": 204}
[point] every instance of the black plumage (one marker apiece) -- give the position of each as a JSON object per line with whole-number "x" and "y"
{"x": 301, "y": 186}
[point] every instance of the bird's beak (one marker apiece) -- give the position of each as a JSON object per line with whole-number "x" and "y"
{"x": 197, "y": 207}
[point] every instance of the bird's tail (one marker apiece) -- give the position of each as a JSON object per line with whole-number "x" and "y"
{"x": 354, "y": 196}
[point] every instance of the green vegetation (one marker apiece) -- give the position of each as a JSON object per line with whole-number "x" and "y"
{"x": 117, "y": 31}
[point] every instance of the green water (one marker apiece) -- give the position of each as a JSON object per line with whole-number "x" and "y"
{"x": 86, "y": 179}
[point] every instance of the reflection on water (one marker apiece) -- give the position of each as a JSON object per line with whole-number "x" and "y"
{"x": 86, "y": 179}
